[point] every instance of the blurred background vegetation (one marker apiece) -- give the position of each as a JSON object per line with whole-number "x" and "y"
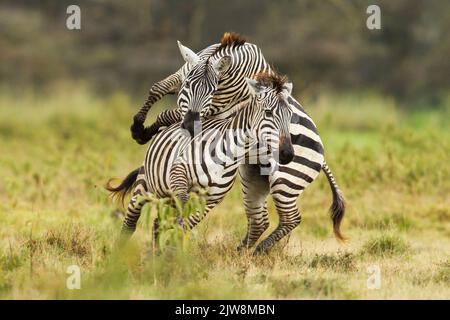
{"x": 321, "y": 45}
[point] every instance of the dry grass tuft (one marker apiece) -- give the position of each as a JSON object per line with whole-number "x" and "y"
{"x": 340, "y": 262}
{"x": 385, "y": 245}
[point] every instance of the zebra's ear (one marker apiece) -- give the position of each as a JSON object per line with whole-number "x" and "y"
{"x": 188, "y": 55}
{"x": 255, "y": 87}
{"x": 288, "y": 86}
{"x": 222, "y": 65}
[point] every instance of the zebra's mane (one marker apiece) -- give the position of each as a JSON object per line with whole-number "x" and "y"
{"x": 230, "y": 38}
{"x": 272, "y": 79}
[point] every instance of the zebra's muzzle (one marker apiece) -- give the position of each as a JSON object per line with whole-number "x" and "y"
{"x": 192, "y": 123}
{"x": 286, "y": 150}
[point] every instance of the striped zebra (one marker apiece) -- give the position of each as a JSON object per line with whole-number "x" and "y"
{"x": 177, "y": 164}
{"x": 208, "y": 84}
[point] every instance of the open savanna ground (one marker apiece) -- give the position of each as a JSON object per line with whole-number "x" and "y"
{"x": 57, "y": 151}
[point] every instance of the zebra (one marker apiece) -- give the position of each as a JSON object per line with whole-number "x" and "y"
{"x": 172, "y": 165}
{"x": 207, "y": 86}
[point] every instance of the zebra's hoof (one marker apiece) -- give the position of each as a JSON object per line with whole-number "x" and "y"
{"x": 260, "y": 251}
{"x": 148, "y": 134}
{"x": 124, "y": 237}
{"x": 138, "y": 132}
{"x": 155, "y": 251}
{"x": 241, "y": 247}
{"x": 122, "y": 241}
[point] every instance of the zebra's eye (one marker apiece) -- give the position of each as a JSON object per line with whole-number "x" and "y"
{"x": 268, "y": 113}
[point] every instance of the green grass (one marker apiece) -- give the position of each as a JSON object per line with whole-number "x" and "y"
{"x": 58, "y": 150}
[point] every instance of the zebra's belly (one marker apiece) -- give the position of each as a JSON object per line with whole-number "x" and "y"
{"x": 211, "y": 177}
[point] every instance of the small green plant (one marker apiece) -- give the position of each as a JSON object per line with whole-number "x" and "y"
{"x": 171, "y": 219}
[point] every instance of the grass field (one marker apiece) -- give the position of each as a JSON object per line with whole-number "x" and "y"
{"x": 58, "y": 150}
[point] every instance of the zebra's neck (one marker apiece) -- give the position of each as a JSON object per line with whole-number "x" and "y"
{"x": 248, "y": 60}
{"x": 229, "y": 141}
{"x": 243, "y": 127}
{"x": 247, "y": 115}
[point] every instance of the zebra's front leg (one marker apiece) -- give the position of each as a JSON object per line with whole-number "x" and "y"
{"x": 171, "y": 84}
{"x": 289, "y": 219}
{"x": 255, "y": 188}
{"x": 164, "y": 119}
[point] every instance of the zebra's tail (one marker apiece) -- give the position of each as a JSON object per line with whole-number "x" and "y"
{"x": 124, "y": 187}
{"x": 337, "y": 209}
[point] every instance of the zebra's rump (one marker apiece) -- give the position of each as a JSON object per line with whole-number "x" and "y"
{"x": 291, "y": 179}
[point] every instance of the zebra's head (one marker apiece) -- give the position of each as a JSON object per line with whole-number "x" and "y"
{"x": 198, "y": 87}
{"x": 271, "y": 92}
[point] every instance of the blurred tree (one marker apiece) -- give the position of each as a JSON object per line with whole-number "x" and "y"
{"x": 321, "y": 45}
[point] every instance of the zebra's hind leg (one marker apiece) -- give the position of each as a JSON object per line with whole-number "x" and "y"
{"x": 289, "y": 219}
{"x": 180, "y": 185}
{"x": 257, "y": 223}
{"x": 194, "y": 219}
{"x": 255, "y": 188}
{"x": 134, "y": 207}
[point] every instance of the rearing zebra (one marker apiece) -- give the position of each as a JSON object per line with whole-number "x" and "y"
{"x": 207, "y": 85}
{"x": 176, "y": 164}
{"x": 218, "y": 81}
